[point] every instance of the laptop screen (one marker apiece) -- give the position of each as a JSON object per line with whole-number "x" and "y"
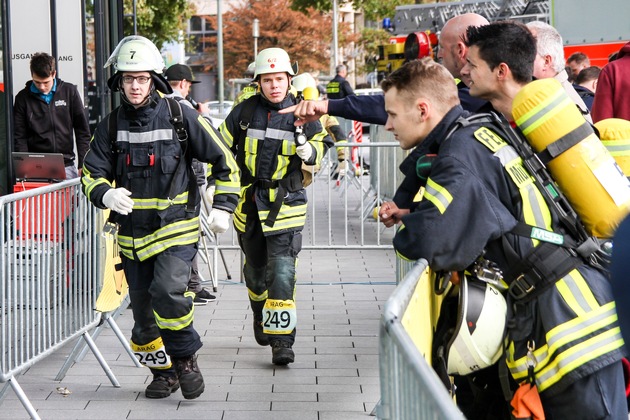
{"x": 39, "y": 166}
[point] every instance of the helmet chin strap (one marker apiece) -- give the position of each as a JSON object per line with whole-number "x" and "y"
{"x": 146, "y": 100}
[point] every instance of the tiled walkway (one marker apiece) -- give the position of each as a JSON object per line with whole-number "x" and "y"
{"x": 335, "y": 376}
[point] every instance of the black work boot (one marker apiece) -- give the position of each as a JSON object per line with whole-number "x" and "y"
{"x": 259, "y": 335}
{"x": 282, "y": 353}
{"x": 162, "y": 386}
{"x": 189, "y": 376}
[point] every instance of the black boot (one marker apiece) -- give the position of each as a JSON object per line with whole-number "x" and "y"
{"x": 259, "y": 335}
{"x": 282, "y": 353}
{"x": 189, "y": 376}
{"x": 162, "y": 386}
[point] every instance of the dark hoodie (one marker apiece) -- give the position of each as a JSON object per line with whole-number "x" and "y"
{"x": 51, "y": 128}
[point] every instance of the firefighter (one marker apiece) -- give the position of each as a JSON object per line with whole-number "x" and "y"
{"x": 272, "y": 211}
{"x": 250, "y": 89}
{"x": 481, "y": 203}
{"x": 139, "y": 167}
{"x": 563, "y": 334}
{"x": 339, "y": 87}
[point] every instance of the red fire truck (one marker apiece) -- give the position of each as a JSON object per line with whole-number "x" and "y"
{"x": 587, "y": 26}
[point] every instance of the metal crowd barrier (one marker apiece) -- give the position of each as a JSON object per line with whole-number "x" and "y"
{"x": 341, "y": 210}
{"x": 410, "y": 389}
{"x": 51, "y": 257}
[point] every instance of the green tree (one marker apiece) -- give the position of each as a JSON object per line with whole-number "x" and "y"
{"x": 370, "y": 40}
{"x": 159, "y": 20}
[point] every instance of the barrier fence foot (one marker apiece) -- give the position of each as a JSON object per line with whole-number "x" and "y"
{"x": 101, "y": 360}
{"x": 114, "y": 326}
{"x": 69, "y": 361}
{"x": 23, "y": 398}
{"x": 374, "y": 411}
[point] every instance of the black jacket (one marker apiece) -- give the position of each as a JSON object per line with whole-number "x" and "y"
{"x": 268, "y": 154}
{"x": 338, "y": 88}
{"x": 471, "y": 205}
{"x": 49, "y": 128}
{"x": 145, "y": 160}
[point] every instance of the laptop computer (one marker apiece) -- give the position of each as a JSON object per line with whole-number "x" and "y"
{"x": 39, "y": 167}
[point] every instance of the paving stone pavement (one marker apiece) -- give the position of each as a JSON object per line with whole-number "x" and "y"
{"x": 340, "y": 297}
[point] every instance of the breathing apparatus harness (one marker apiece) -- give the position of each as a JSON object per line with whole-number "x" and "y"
{"x": 290, "y": 183}
{"x": 557, "y": 254}
{"x": 177, "y": 121}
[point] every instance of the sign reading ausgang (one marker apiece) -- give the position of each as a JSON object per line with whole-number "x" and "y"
{"x": 68, "y": 38}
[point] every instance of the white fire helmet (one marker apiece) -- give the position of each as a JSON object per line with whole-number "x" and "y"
{"x": 136, "y": 53}
{"x": 477, "y": 338}
{"x": 273, "y": 60}
{"x": 302, "y": 81}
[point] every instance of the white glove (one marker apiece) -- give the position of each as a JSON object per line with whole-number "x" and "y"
{"x": 117, "y": 199}
{"x": 218, "y": 220}
{"x": 304, "y": 151}
{"x": 210, "y": 194}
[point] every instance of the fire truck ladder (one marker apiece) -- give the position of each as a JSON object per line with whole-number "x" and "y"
{"x": 412, "y": 18}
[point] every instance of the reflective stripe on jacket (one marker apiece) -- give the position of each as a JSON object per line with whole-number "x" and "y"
{"x": 145, "y": 160}
{"x": 476, "y": 193}
{"x": 270, "y": 156}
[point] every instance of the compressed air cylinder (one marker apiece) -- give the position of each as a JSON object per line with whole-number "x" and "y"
{"x": 615, "y": 136}
{"x": 585, "y": 172}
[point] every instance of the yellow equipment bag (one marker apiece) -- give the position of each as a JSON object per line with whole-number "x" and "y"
{"x": 584, "y": 170}
{"x": 115, "y": 287}
{"x": 615, "y": 136}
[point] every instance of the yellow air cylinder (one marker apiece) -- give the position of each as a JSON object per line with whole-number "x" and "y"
{"x": 615, "y": 136}
{"x": 585, "y": 172}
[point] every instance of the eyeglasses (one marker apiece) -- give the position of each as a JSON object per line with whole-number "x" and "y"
{"x": 143, "y": 80}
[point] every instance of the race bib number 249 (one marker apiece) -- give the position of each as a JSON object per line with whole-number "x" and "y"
{"x": 279, "y": 316}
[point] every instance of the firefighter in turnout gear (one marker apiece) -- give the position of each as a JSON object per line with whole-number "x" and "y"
{"x": 563, "y": 334}
{"x": 481, "y": 199}
{"x": 270, "y": 216}
{"x": 139, "y": 166}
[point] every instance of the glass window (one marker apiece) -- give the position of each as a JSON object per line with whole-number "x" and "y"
{"x": 195, "y": 24}
{"x": 208, "y": 25}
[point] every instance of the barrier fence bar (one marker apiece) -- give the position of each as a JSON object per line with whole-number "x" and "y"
{"x": 51, "y": 257}
{"x": 410, "y": 388}
{"x": 360, "y": 194}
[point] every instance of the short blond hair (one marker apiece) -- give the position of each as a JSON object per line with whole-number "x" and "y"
{"x": 424, "y": 78}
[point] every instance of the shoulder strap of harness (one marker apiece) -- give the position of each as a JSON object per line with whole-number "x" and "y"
{"x": 112, "y": 126}
{"x": 177, "y": 120}
{"x": 185, "y": 162}
{"x": 543, "y": 179}
{"x": 247, "y": 113}
{"x": 557, "y": 254}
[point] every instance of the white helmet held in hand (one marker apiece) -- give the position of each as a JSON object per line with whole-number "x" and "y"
{"x": 273, "y": 60}
{"x": 476, "y": 341}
